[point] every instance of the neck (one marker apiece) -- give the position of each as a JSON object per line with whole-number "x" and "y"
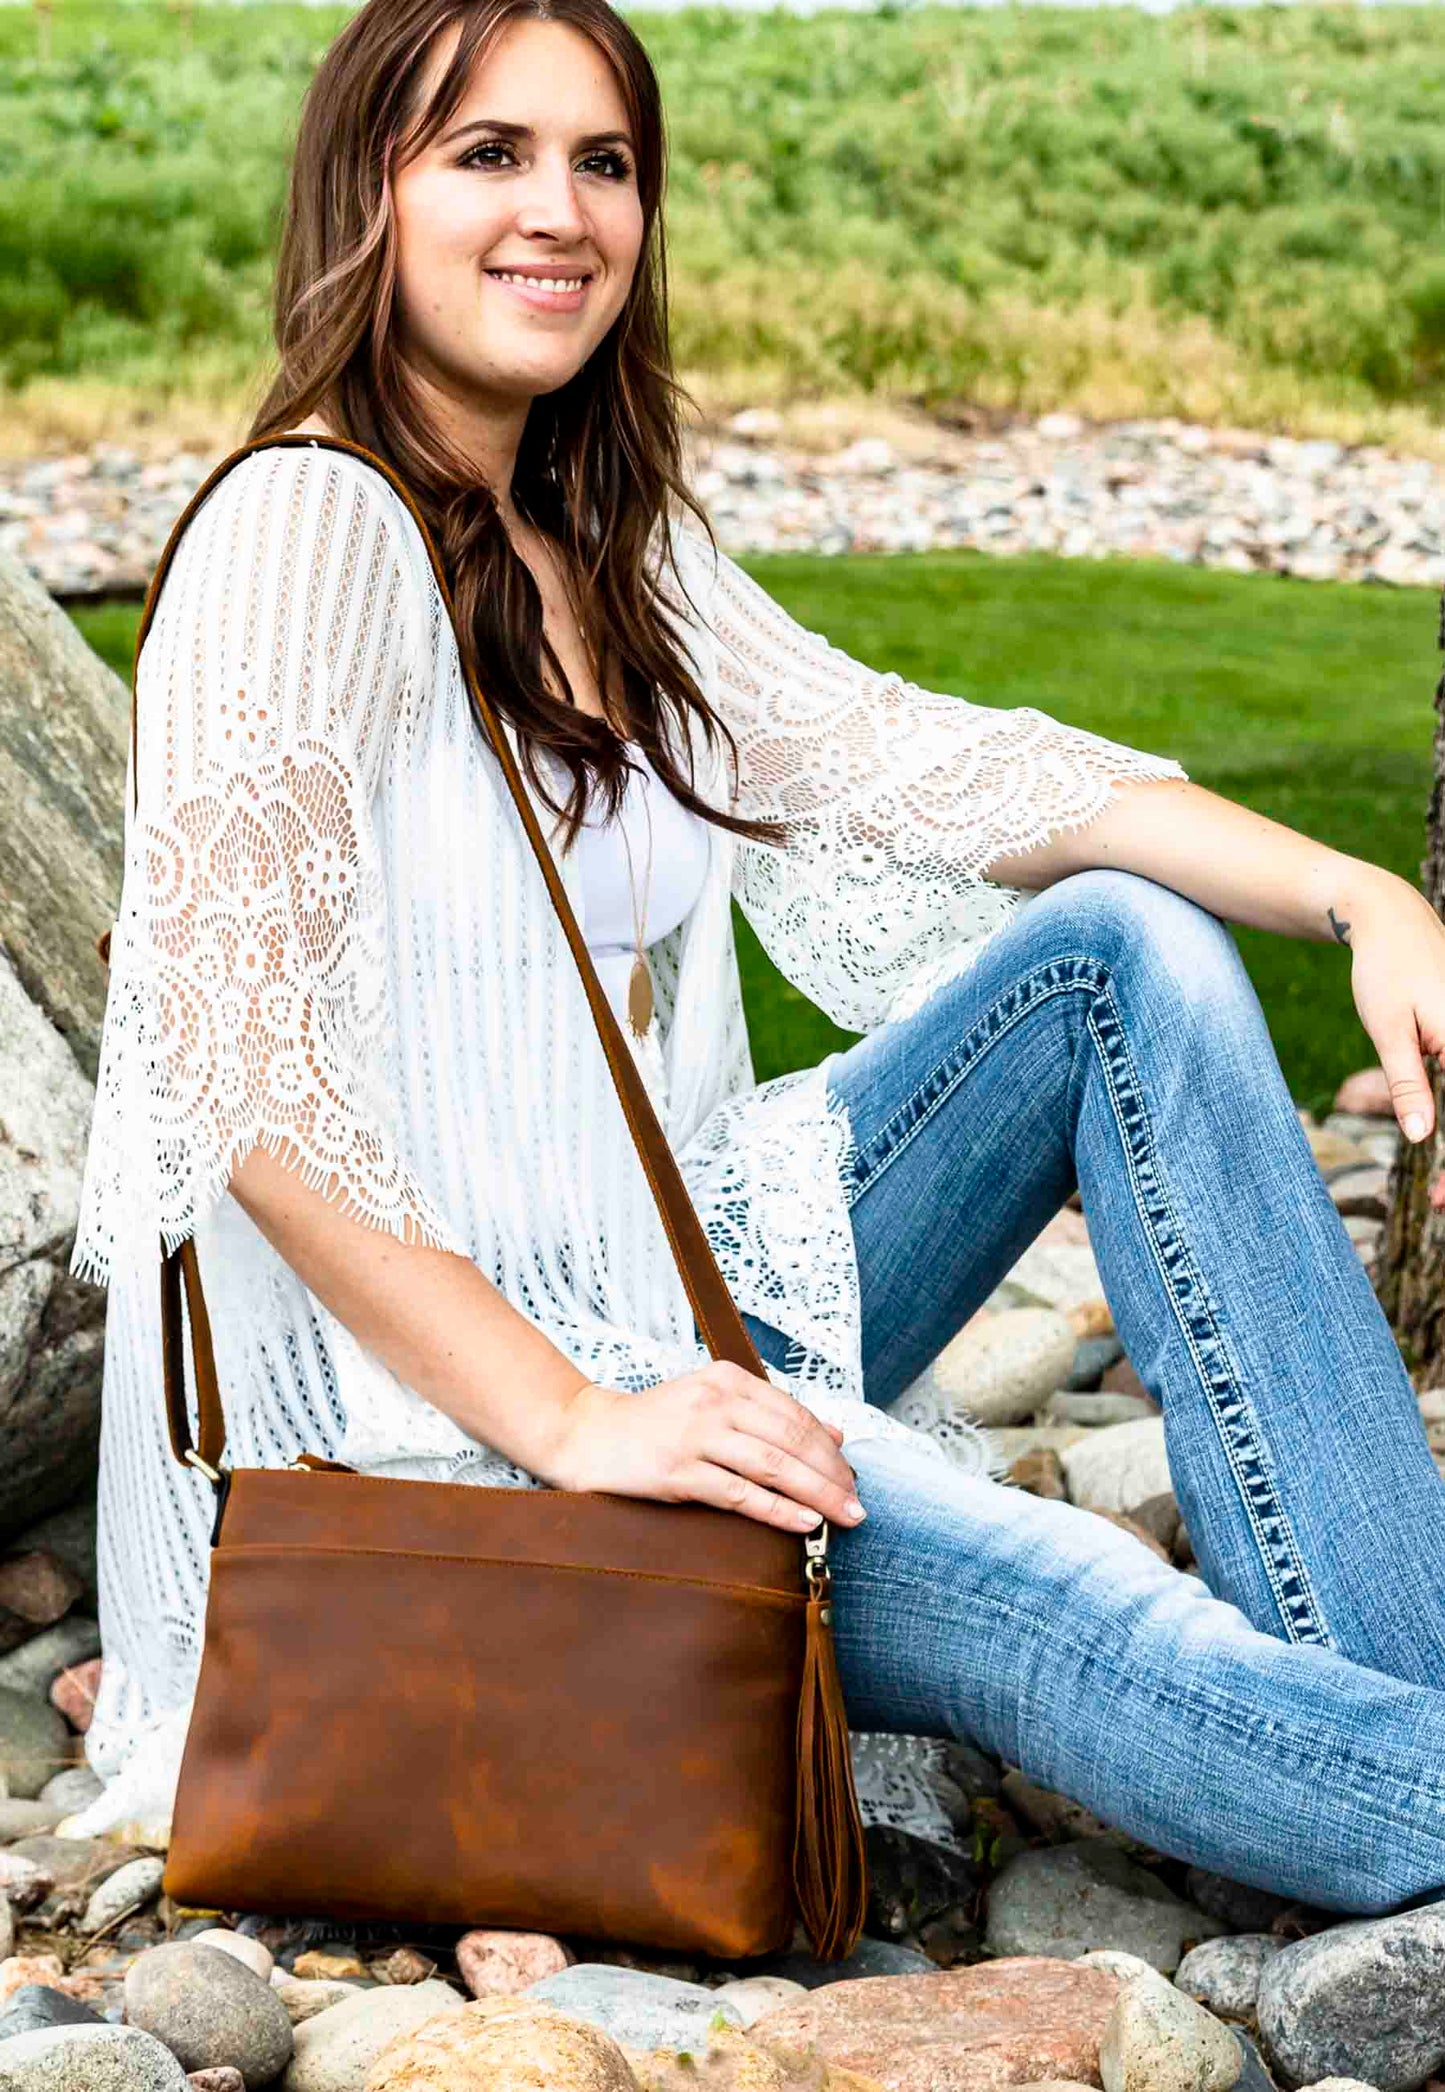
{"x": 487, "y": 433}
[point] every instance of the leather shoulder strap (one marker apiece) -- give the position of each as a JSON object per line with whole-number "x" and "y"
{"x": 717, "y": 1316}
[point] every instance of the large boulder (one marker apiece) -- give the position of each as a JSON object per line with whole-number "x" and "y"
{"x": 64, "y": 718}
{"x": 64, "y": 723}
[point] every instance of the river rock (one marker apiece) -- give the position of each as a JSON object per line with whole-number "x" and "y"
{"x": 871, "y": 1957}
{"x": 26, "y": 1819}
{"x": 1366, "y": 1092}
{"x": 493, "y": 1963}
{"x": 1364, "y": 1999}
{"x": 36, "y": 1590}
{"x": 222, "y": 2079}
{"x": 1092, "y": 1360}
{"x": 74, "y": 1788}
{"x": 51, "y": 1324}
{"x": 911, "y": 1880}
{"x": 131, "y": 1887}
{"x": 1123, "y": 1467}
{"x": 19, "y": 1970}
{"x": 737, "y": 2062}
{"x": 632, "y": 2005}
{"x": 34, "y": 1739}
{"x": 502, "y": 2044}
{"x": 36, "y": 2005}
{"x": 75, "y": 1692}
{"x": 997, "y": 1370}
{"x": 959, "y": 2030}
{"x": 34, "y": 1667}
{"x": 752, "y": 1996}
{"x": 254, "y": 1953}
{"x": 208, "y": 2008}
{"x": 22, "y": 1882}
{"x": 1238, "y": 1906}
{"x": 88, "y": 2059}
{"x": 1065, "y": 1899}
{"x": 1159, "y": 2040}
{"x": 1224, "y": 1973}
{"x": 305, "y": 1997}
{"x": 75, "y": 1863}
{"x": 335, "y": 2051}
{"x": 1067, "y": 1407}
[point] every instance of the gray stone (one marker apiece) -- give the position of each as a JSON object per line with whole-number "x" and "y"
{"x": 209, "y": 2008}
{"x": 35, "y": 1666}
{"x": 637, "y": 2009}
{"x": 36, "y": 2005}
{"x": 1238, "y": 1907}
{"x": 77, "y": 1866}
{"x": 74, "y": 1789}
{"x": 1065, "y": 1899}
{"x": 254, "y": 1953}
{"x": 1364, "y": 1999}
{"x": 1159, "y": 2040}
{"x": 1224, "y": 1973}
{"x": 751, "y": 1996}
{"x": 335, "y": 2051}
{"x": 51, "y": 1324}
{"x": 1123, "y": 1467}
{"x": 131, "y": 1887}
{"x": 911, "y": 1880}
{"x": 1067, "y": 1407}
{"x": 871, "y": 1957}
{"x": 88, "y": 2059}
{"x": 69, "y": 1534}
{"x": 996, "y": 1371}
{"x": 1092, "y": 1360}
{"x": 34, "y": 1742}
{"x": 22, "y": 1882}
{"x": 64, "y": 726}
{"x": 25, "y": 1819}
{"x": 305, "y": 1997}
{"x": 7, "y": 1929}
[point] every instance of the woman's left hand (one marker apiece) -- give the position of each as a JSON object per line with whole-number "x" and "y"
{"x": 1398, "y": 979}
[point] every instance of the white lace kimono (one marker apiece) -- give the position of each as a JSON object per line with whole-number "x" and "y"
{"x": 333, "y": 940}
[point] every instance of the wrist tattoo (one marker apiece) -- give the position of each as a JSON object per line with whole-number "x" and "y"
{"x": 1341, "y": 930}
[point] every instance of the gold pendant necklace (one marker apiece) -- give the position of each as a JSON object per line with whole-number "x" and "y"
{"x": 640, "y": 999}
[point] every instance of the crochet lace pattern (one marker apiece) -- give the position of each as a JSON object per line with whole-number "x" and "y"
{"x": 333, "y": 942}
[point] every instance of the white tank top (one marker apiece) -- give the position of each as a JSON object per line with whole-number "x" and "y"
{"x": 679, "y": 861}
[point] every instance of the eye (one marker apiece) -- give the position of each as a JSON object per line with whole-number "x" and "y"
{"x": 619, "y": 163}
{"x": 486, "y": 145}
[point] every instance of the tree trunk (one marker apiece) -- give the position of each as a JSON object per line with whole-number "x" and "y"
{"x": 1411, "y": 1281}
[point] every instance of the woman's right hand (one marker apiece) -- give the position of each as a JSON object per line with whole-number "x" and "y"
{"x": 719, "y": 1435}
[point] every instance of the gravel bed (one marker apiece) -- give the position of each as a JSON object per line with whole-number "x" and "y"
{"x": 93, "y": 523}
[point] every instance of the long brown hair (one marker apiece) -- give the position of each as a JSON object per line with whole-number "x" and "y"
{"x": 599, "y": 456}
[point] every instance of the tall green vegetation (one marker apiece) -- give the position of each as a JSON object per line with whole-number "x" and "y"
{"x": 1229, "y": 213}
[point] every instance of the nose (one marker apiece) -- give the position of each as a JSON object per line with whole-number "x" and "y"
{"x": 549, "y": 201}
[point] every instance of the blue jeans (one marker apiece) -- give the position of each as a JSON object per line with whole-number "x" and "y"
{"x": 1282, "y": 1720}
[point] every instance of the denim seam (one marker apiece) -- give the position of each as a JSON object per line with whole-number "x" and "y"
{"x": 1295, "y": 1599}
{"x": 995, "y": 1023}
{"x": 1306, "y": 1749}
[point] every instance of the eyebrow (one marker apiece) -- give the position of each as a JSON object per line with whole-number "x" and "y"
{"x": 525, "y": 130}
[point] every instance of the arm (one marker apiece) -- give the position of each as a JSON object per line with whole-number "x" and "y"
{"x": 717, "y": 1435}
{"x": 1255, "y": 871}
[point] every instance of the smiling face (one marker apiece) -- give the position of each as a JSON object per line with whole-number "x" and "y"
{"x": 519, "y": 226}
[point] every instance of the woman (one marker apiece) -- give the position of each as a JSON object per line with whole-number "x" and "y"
{"x": 347, "y": 1047}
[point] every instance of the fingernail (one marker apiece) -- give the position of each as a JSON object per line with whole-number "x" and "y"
{"x": 854, "y": 1508}
{"x": 1414, "y": 1127}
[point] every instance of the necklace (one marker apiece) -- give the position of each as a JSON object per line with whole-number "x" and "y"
{"x": 639, "y": 985}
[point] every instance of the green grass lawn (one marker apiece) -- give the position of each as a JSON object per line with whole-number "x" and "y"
{"x": 1307, "y": 701}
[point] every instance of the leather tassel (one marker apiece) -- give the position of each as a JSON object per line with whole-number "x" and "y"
{"x": 830, "y": 1864}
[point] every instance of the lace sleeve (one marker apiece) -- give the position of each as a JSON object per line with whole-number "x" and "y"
{"x": 249, "y": 999}
{"x": 900, "y": 799}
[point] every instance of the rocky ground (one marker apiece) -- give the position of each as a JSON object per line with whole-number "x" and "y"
{"x": 94, "y": 522}
{"x": 1011, "y": 1937}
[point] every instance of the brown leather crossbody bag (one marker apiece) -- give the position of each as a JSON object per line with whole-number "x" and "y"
{"x": 564, "y": 1711}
